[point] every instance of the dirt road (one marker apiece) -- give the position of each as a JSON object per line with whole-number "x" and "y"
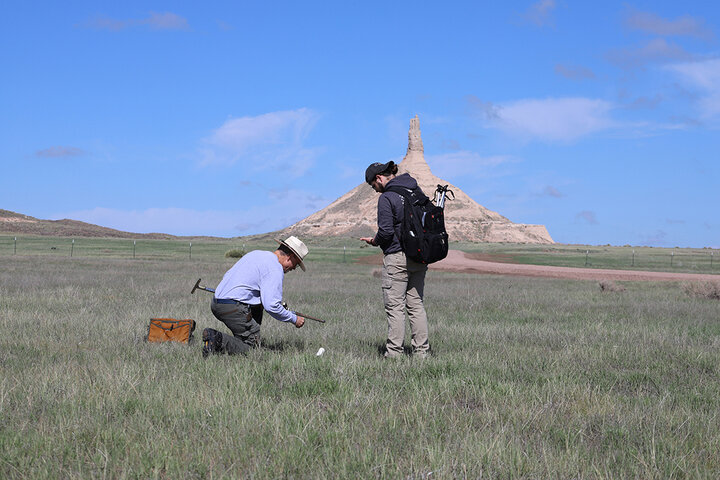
{"x": 458, "y": 261}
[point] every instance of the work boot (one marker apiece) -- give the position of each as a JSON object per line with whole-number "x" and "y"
{"x": 212, "y": 342}
{"x": 421, "y": 354}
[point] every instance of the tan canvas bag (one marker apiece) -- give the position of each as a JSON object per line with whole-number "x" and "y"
{"x": 170, "y": 330}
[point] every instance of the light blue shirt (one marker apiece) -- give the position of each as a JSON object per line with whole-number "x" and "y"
{"x": 257, "y": 278}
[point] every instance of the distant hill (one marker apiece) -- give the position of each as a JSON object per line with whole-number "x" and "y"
{"x": 18, "y": 224}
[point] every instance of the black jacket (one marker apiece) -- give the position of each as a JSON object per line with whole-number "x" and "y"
{"x": 390, "y": 214}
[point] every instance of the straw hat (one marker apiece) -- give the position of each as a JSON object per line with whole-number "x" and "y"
{"x": 297, "y": 247}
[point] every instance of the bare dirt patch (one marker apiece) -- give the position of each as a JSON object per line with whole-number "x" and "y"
{"x": 458, "y": 261}
{"x": 16, "y": 220}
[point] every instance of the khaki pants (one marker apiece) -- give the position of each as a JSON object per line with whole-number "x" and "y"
{"x": 403, "y": 283}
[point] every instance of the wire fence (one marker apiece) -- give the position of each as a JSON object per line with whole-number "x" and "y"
{"x": 104, "y": 247}
{"x": 172, "y": 249}
{"x": 703, "y": 260}
{"x": 627, "y": 258}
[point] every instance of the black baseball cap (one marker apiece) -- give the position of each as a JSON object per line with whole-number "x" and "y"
{"x": 376, "y": 169}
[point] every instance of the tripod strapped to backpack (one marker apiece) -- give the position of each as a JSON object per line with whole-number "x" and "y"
{"x": 440, "y": 194}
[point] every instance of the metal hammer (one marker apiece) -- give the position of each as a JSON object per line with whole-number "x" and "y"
{"x": 197, "y": 285}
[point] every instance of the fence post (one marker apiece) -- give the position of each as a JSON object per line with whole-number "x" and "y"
{"x": 672, "y": 254}
{"x": 15, "y": 247}
{"x": 633, "y": 260}
{"x": 190, "y": 250}
{"x": 587, "y": 252}
{"x": 344, "y": 247}
{"x": 134, "y": 248}
{"x": 711, "y": 259}
{"x": 72, "y": 247}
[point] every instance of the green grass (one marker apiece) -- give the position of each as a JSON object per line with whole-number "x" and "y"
{"x": 529, "y": 378}
{"x": 323, "y": 250}
{"x": 685, "y": 260}
{"x": 348, "y": 250}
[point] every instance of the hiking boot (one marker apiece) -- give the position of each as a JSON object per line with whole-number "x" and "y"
{"x": 212, "y": 342}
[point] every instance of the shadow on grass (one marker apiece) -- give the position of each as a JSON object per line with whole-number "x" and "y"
{"x": 380, "y": 347}
{"x": 296, "y": 344}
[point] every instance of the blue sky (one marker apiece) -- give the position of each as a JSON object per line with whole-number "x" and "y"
{"x": 597, "y": 119}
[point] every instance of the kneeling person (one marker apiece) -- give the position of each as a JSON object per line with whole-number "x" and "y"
{"x": 253, "y": 284}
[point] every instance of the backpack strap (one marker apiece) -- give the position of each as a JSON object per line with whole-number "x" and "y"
{"x": 413, "y": 196}
{"x": 403, "y": 192}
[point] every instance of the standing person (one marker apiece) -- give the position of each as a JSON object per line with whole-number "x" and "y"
{"x": 403, "y": 280}
{"x": 253, "y": 284}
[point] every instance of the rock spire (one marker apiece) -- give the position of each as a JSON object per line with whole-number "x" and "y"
{"x": 414, "y": 140}
{"x": 355, "y": 213}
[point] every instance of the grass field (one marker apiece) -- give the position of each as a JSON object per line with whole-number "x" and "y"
{"x": 529, "y": 378}
{"x": 681, "y": 260}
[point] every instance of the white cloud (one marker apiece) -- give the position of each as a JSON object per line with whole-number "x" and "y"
{"x": 174, "y": 221}
{"x": 106, "y": 23}
{"x": 550, "y": 191}
{"x": 473, "y": 172}
{"x": 682, "y": 26}
{"x": 60, "y": 151}
{"x": 657, "y": 50}
{"x": 266, "y": 141}
{"x": 154, "y": 20}
{"x": 540, "y": 12}
{"x": 587, "y": 216}
{"x": 704, "y": 76}
{"x": 449, "y": 164}
{"x": 553, "y": 119}
{"x": 279, "y": 210}
{"x": 165, "y": 21}
{"x": 645, "y": 102}
{"x": 574, "y": 72}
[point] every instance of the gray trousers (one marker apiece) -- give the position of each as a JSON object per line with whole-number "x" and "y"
{"x": 403, "y": 285}
{"x": 244, "y": 323}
